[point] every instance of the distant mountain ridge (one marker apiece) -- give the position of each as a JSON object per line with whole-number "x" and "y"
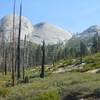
{"x": 90, "y": 32}
{"x": 42, "y": 31}
{"x": 6, "y": 26}
{"x": 86, "y": 36}
{"x": 35, "y": 33}
{"x": 50, "y": 33}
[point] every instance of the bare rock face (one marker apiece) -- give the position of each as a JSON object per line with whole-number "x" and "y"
{"x": 37, "y": 33}
{"x": 6, "y": 27}
{"x": 94, "y": 28}
{"x": 90, "y": 32}
{"x": 50, "y": 33}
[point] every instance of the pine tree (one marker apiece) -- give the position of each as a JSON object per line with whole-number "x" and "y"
{"x": 72, "y": 52}
{"x": 66, "y": 52}
{"x": 43, "y": 60}
{"x": 96, "y": 43}
{"x": 83, "y": 50}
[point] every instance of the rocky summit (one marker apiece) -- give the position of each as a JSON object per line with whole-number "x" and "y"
{"x": 51, "y": 34}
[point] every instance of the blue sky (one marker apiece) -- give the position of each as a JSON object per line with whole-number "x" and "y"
{"x": 72, "y": 15}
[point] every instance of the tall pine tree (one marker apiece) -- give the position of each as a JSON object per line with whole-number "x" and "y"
{"x": 83, "y": 50}
{"x": 96, "y": 43}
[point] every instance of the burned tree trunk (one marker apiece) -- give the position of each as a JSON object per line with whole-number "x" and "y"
{"x": 5, "y": 61}
{"x": 13, "y": 47}
{"x": 18, "y": 47}
{"x": 10, "y": 51}
{"x": 43, "y": 60}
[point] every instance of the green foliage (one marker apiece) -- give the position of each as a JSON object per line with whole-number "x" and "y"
{"x": 4, "y": 91}
{"x": 92, "y": 62}
{"x": 89, "y": 59}
{"x": 74, "y": 84}
{"x": 69, "y": 62}
{"x": 54, "y": 87}
{"x": 51, "y": 95}
{"x": 96, "y": 43}
{"x": 83, "y": 49}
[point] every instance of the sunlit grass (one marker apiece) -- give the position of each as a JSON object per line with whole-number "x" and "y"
{"x": 53, "y": 86}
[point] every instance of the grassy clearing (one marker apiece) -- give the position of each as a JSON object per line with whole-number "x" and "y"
{"x": 60, "y": 86}
{"x": 54, "y": 87}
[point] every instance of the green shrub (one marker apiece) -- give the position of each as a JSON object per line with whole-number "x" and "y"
{"x": 52, "y": 95}
{"x": 89, "y": 59}
{"x": 16, "y": 96}
{"x": 4, "y": 91}
{"x": 68, "y": 62}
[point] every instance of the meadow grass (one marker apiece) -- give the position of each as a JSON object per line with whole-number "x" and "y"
{"x": 55, "y": 86}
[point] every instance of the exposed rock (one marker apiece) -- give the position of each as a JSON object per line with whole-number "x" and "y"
{"x": 37, "y": 33}
{"x": 94, "y": 71}
{"x": 50, "y": 33}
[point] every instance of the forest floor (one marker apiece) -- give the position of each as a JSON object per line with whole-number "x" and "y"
{"x": 66, "y": 80}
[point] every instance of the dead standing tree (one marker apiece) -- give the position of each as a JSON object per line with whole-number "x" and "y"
{"x": 13, "y": 47}
{"x": 43, "y": 60}
{"x": 18, "y": 47}
{"x": 5, "y": 64}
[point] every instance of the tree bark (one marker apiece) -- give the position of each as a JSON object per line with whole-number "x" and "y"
{"x": 43, "y": 60}
{"x": 18, "y": 48}
{"x": 13, "y": 47}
